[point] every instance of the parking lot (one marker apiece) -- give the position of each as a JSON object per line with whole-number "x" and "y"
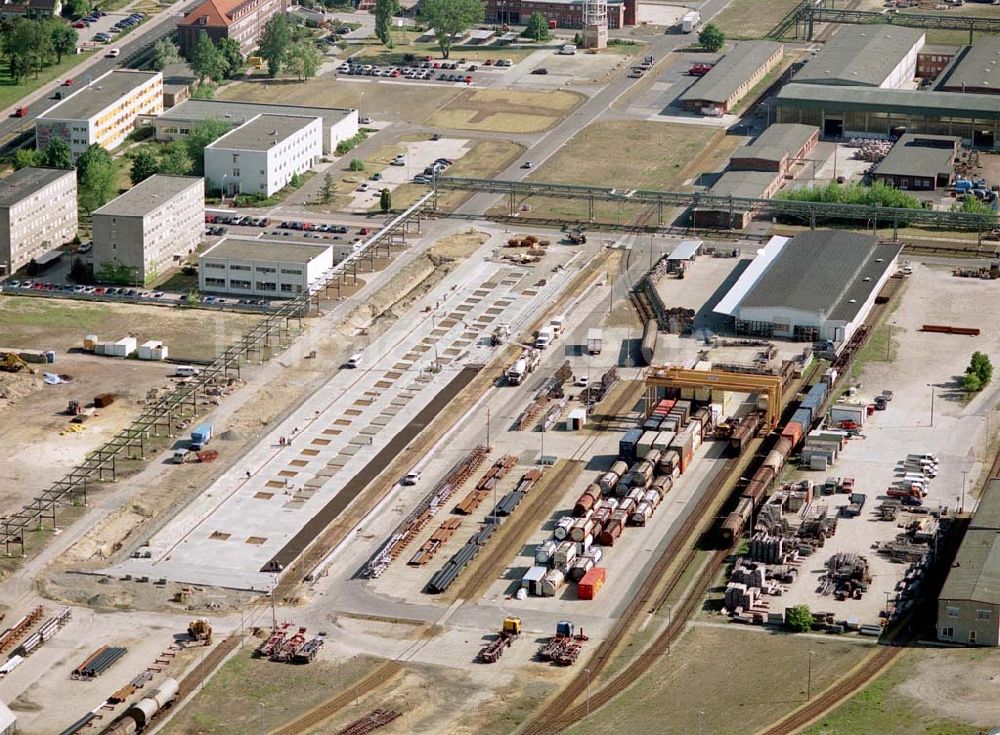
{"x": 427, "y": 70}
{"x": 100, "y": 28}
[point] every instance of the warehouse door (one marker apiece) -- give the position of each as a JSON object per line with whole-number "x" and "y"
{"x": 983, "y": 139}
{"x": 833, "y": 128}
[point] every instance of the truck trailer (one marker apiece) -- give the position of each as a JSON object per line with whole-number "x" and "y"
{"x": 595, "y": 338}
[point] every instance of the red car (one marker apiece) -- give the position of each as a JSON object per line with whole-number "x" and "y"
{"x": 363, "y": 231}
{"x": 68, "y": 83}
{"x": 21, "y": 112}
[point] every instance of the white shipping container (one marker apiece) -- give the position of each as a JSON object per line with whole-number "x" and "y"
{"x": 532, "y": 578}
{"x": 562, "y": 527}
{"x": 551, "y": 582}
{"x": 596, "y": 553}
{"x": 565, "y": 554}
{"x": 582, "y": 547}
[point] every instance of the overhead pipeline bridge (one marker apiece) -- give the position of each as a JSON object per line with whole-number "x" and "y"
{"x": 810, "y": 12}
{"x": 271, "y": 334}
{"x": 811, "y": 213}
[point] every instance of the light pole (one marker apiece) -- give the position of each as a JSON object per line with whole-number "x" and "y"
{"x": 274, "y": 616}
{"x": 262, "y": 730}
{"x": 931, "y": 386}
{"x": 701, "y": 717}
{"x": 587, "y": 672}
{"x": 888, "y": 342}
{"x": 962, "y": 507}
{"x": 809, "y": 676}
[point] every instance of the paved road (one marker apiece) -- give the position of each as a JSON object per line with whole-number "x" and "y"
{"x": 133, "y": 44}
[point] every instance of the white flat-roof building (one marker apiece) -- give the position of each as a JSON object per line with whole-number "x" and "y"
{"x": 261, "y": 156}
{"x": 264, "y": 268}
{"x": 102, "y": 112}
{"x": 150, "y": 228}
{"x": 37, "y": 214}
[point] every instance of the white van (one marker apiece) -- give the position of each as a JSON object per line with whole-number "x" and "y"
{"x": 568, "y": 50}
{"x": 354, "y": 361}
{"x": 187, "y": 371}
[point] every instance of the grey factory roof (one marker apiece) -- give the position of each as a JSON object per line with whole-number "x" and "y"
{"x": 271, "y": 251}
{"x": 905, "y": 101}
{"x": 823, "y": 272}
{"x": 777, "y": 142}
{"x": 26, "y": 182}
{"x": 859, "y": 54}
{"x": 100, "y": 94}
{"x": 263, "y": 132}
{"x": 912, "y": 156}
{"x": 731, "y": 72}
{"x": 750, "y": 184}
{"x": 975, "y": 575}
{"x": 987, "y": 515}
{"x": 149, "y": 195}
{"x": 974, "y": 68}
{"x": 238, "y": 113}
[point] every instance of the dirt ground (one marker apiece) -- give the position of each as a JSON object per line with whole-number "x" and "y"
{"x": 61, "y": 324}
{"x": 715, "y": 681}
{"x": 945, "y": 692}
{"x": 396, "y": 102}
{"x": 506, "y": 111}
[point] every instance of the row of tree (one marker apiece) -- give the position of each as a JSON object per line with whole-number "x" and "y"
{"x": 31, "y": 45}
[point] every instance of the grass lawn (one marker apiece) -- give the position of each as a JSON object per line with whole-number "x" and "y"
{"x": 752, "y": 18}
{"x": 625, "y": 154}
{"x": 11, "y": 93}
{"x": 396, "y": 102}
{"x": 62, "y": 323}
{"x": 720, "y": 672}
{"x": 506, "y": 111}
{"x": 256, "y": 695}
{"x": 885, "y": 707}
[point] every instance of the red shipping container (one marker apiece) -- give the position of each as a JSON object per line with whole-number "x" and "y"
{"x": 686, "y": 457}
{"x": 793, "y": 432}
{"x": 591, "y": 583}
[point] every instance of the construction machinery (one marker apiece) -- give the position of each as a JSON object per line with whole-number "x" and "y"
{"x": 509, "y": 632}
{"x": 576, "y": 237}
{"x": 200, "y": 630}
{"x": 12, "y": 363}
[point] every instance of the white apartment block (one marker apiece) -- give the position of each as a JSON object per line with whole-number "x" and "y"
{"x": 151, "y": 228}
{"x": 102, "y": 112}
{"x": 262, "y": 268}
{"x": 261, "y": 156}
{"x": 37, "y": 214}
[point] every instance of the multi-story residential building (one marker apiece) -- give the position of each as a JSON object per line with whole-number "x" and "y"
{"x": 150, "y": 228}
{"x": 241, "y": 20}
{"x": 102, "y": 112}
{"x": 261, "y": 156}
{"x": 265, "y": 268}
{"x": 37, "y": 214}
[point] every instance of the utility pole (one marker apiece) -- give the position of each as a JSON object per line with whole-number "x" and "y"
{"x": 809, "y": 677}
{"x": 962, "y": 507}
{"x": 487, "y": 427}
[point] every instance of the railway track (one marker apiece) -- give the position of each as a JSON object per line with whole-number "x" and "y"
{"x": 324, "y": 711}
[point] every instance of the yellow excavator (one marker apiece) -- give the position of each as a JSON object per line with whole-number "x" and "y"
{"x": 11, "y": 363}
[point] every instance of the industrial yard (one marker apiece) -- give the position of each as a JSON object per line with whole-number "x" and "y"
{"x": 628, "y": 368}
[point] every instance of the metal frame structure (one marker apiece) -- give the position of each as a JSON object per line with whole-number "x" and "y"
{"x": 595, "y": 24}
{"x": 675, "y": 377}
{"x": 809, "y": 13}
{"x": 273, "y": 332}
{"x": 810, "y": 212}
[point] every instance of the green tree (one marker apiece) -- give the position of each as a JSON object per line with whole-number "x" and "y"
{"x": 384, "y": 11}
{"x": 304, "y": 59}
{"x": 79, "y": 272}
{"x": 449, "y": 18}
{"x": 203, "y": 134}
{"x": 537, "y": 28}
{"x": 144, "y": 165}
{"x": 64, "y": 39}
{"x": 232, "y": 59}
{"x": 96, "y": 178}
{"x": 205, "y": 59}
{"x": 357, "y": 165}
{"x": 799, "y": 618}
{"x": 326, "y": 190}
{"x": 24, "y": 157}
{"x": 274, "y": 43}
{"x": 19, "y": 37}
{"x": 979, "y": 373}
{"x": 75, "y": 8}
{"x": 165, "y": 53}
{"x": 174, "y": 159}
{"x": 971, "y": 383}
{"x": 712, "y": 38}
{"x": 57, "y": 154}
{"x": 385, "y": 200}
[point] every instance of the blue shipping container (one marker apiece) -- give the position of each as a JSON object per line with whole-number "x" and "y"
{"x": 804, "y": 417}
{"x": 626, "y": 445}
{"x": 815, "y": 397}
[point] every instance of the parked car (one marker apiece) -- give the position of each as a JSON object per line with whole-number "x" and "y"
{"x": 540, "y": 70}
{"x": 114, "y": 53}
{"x": 527, "y": 164}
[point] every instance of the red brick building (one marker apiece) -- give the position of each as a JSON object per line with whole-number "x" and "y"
{"x": 241, "y": 20}
{"x": 565, "y": 13}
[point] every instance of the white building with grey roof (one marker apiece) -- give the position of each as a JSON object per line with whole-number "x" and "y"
{"x": 149, "y": 229}
{"x": 732, "y": 78}
{"x": 269, "y": 269}
{"x": 37, "y": 214}
{"x": 865, "y": 56}
{"x": 819, "y": 285}
{"x": 261, "y": 156}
